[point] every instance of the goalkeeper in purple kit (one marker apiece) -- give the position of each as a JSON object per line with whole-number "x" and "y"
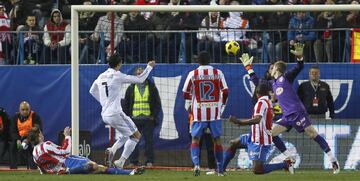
{"x": 294, "y": 112}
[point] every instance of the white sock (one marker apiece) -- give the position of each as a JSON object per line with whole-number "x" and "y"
{"x": 287, "y": 154}
{"x": 129, "y": 147}
{"x": 331, "y": 156}
{"x": 120, "y": 162}
{"x": 118, "y": 144}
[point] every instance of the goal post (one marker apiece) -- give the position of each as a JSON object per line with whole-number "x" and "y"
{"x": 75, "y": 9}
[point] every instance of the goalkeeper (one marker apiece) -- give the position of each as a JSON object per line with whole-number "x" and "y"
{"x": 53, "y": 159}
{"x": 294, "y": 112}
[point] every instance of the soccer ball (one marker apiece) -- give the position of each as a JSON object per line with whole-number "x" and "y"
{"x": 232, "y": 47}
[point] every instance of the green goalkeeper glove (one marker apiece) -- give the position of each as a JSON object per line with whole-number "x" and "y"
{"x": 298, "y": 50}
{"x": 247, "y": 62}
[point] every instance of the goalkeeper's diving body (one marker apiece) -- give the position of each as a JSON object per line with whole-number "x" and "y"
{"x": 106, "y": 89}
{"x": 294, "y": 112}
{"x": 53, "y": 159}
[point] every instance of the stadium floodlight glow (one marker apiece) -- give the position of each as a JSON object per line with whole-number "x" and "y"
{"x": 75, "y": 9}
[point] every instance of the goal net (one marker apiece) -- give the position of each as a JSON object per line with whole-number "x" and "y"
{"x": 174, "y": 55}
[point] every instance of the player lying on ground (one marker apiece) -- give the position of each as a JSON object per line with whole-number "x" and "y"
{"x": 106, "y": 89}
{"x": 53, "y": 159}
{"x": 294, "y": 112}
{"x": 258, "y": 142}
{"x": 207, "y": 88}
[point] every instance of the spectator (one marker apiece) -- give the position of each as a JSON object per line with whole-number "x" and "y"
{"x": 138, "y": 46}
{"x": 22, "y": 122}
{"x": 278, "y": 22}
{"x": 177, "y": 2}
{"x": 87, "y": 22}
{"x": 329, "y": 40}
{"x": 16, "y": 14}
{"x": 183, "y": 21}
{"x": 4, "y": 133}
{"x": 32, "y": 41}
{"x": 147, "y": 15}
{"x": 316, "y": 95}
{"x": 56, "y": 40}
{"x": 234, "y": 26}
{"x": 40, "y": 8}
{"x": 104, "y": 26}
{"x": 5, "y": 38}
{"x": 160, "y": 21}
{"x": 142, "y": 103}
{"x": 353, "y": 18}
{"x": 210, "y": 41}
{"x": 300, "y": 25}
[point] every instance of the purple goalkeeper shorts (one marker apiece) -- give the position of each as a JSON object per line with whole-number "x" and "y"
{"x": 298, "y": 120}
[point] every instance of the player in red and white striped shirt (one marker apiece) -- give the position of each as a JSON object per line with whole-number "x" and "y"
{"x": 259, "y": 140}
{"x": 261, "y": 132}
{"x": 207, "y": 88}
{"x": 53, "y": 159}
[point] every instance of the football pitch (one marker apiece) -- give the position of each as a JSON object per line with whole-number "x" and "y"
{"x": 168, "y": 175}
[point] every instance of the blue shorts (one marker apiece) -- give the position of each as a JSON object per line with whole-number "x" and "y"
{"x": 255, "y": 152}
{"x": 299, "y": 121}
{"x": 73, "y": 161}
{"x": 197, "y": 128}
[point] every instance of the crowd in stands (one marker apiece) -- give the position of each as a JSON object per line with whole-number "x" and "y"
{"x": 27, "y": 17}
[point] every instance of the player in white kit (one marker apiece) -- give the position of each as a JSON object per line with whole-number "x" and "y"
{"x": 106, "y": 89}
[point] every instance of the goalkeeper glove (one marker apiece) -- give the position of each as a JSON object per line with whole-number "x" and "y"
{"x": 247, "y": 62}
{"x": 277, "y": 109}
{"x": 298, "y": 51}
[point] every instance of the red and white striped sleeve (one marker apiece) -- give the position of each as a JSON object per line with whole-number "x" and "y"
{"x": 188, "y": 86}
{"x": 260, "y": 108}
{"x": 223, "y": 87}
{"x": 65, "y": 149}
{"x": 223, "y": 84}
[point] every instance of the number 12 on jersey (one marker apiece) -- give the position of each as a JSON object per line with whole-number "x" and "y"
{"x": 209, "y": 91}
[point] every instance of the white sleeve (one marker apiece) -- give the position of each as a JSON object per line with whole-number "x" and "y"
{"x": 54, "y": 149}
{"x": 188, "y": 83}
{"x": 67, "y": 38}
{"x": 94, "y": 91}
{"x": 124, "y": 78}
{"x": 46, "y": 37}
{"x": 260, "y": 108}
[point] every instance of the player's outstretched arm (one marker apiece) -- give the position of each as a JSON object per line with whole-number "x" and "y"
{"x": 251, "y": 121}
{"x": 298, "y": 51}
{"x": 94, "y": 91}
{"x": 140, "y": 78}
{"x": 247, "y": 62}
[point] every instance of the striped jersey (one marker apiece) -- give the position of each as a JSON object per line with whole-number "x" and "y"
{"x": 50, "y": 158}
{"x": 261, "y": 132}
{"x": 208, "y": 90}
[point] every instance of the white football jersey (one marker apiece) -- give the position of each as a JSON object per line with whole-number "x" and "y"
{"x": 107, "y": 88}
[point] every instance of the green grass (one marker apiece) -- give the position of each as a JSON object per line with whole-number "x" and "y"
{"x": 166, "y": 175}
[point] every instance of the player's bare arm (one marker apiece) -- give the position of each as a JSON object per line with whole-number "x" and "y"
{"x": 251, "y": 121}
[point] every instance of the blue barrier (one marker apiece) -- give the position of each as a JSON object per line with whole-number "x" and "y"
{"x": 47, "y": 88}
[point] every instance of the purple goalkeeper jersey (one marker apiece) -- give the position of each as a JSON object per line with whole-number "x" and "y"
{"x": 284, "y": 91}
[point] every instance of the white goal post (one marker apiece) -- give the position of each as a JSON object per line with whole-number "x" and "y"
{"x": 75, "y": 9}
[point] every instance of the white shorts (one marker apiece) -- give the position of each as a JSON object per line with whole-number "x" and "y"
{"x": 122, "y": 123}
